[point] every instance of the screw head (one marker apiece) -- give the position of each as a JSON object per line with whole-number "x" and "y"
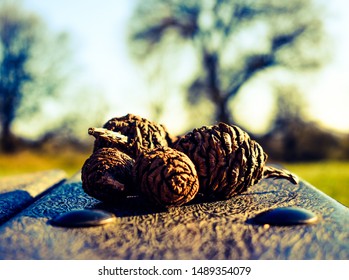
{"x": 83, "y": 218}
{"x": 285, "y": 216}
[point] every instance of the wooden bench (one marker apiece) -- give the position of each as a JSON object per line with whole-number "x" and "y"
{"x": 205, "y": 230}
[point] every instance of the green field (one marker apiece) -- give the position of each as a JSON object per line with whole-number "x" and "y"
{"x": 30, "y": 161}
{"x": 331, "y": 177}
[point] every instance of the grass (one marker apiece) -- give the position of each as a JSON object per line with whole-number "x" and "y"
{"x": 30, "y": 161}
{"x": 331, "y": 177}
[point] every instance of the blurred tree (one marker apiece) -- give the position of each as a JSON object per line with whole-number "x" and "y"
{"x": 292, "y": 136}
{"x": 289, "y": 107}
{"x": 30, "y": 66}
{"x": 231, "y": 41}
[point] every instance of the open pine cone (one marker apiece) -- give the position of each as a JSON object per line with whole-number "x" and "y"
{"x": 141, "y": 133}
{"x": 166, "y": 176}
{"x": 227, "y": 161}
{"x": 107, "y": 175}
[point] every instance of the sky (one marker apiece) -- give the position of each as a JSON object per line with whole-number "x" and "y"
{"x": 98, "y": 32}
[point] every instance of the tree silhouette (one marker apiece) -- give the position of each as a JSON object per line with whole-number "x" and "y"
{"x": 292, "y": 136}
{"x": 231, "y": 41}
{"x": 29, "y": 66}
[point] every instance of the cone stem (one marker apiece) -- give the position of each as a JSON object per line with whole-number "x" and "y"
{"x": 108, "y": 135}
{"x": 273, "y": 172}
{"x": 115, "y": 138}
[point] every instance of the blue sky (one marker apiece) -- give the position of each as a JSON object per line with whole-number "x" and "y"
{"x": 97, "y": 28}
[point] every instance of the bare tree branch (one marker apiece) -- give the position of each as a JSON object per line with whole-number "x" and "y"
{"x": 217, "y": 28}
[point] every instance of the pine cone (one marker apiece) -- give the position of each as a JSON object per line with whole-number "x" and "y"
{"x": 140, "y": 132}
{"x": 166, "y": 176}
{"x": 107, "y": 175}
{"x": 227, "y": 161}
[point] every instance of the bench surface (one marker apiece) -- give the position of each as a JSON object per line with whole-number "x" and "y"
{"x": 17, "y": 192}
{"x": 205, "y": 230}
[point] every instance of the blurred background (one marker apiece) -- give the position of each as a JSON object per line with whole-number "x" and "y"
{"x": 278, "y": 69}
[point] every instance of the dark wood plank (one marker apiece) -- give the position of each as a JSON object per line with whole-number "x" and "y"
{"x": 211, "y": 230}
{"x": 17, "y": 192}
